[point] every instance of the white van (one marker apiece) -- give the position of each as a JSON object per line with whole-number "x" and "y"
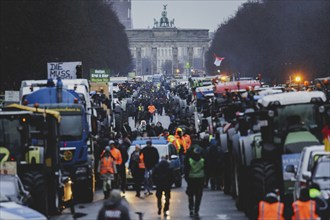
{"x": 308, "y": 157}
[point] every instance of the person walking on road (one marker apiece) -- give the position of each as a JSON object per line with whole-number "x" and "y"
{"x": 107, "y": 170}
{"x": 162, "y": 177}
{"x": 270, "y": 208}
{"x": 150, "y": 158}
{"x": 115, "y": 208}
{"x": 121, "y": 171}
{"x": 152, "y": 112}
{"x": 322, "y": 205}
{"x": 137, "y": 167}
{"x": 118, "y": 160}
{"x": 194, "y": 172}
{"x": 304, "y": 207}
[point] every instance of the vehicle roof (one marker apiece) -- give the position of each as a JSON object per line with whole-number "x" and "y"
{"x": 26, "y": 109}
{"x": 324, "y": 158}
{"x": 292, "y": 98}
{"x": 8, "y": 176}
{"x": 84, "y": 82}
{"x": 154, "y": 140}
{"x": 13, "y": 210}
{"x": 314, "y": 148}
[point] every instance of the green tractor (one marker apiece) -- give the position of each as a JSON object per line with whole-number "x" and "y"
{"x": 29, "y": 147}
{"x": 284, "y": 124}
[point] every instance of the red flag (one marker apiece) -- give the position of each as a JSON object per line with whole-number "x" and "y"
{"x": 218, "y": 60}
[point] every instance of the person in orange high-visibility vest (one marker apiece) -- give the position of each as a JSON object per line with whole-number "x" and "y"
{"x": 118, "y": 160}
{"x": 271, "y": 208}
{"x": 304, "y": 207}
{"x": 152, "y": 111}
{"x": 187, "y": 141}
{"x": 107, "y": 170}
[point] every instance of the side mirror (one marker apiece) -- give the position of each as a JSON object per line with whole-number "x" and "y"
{"x": 290, "y": 168}
{"x": 173, "y": 157}
{"x": 306, "y": 175}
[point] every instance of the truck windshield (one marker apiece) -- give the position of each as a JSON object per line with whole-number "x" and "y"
{"x": 302, "y": 114}
{"x": 71, "y": 128}
{"x": 10, "y": 136}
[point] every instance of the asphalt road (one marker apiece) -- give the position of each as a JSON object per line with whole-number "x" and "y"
{"x": 215, "y": 205}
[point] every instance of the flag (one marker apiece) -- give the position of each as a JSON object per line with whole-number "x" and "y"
{"x": 218, "y": 60}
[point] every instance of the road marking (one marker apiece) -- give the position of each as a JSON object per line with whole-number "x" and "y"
{"x": 222, "y": 216}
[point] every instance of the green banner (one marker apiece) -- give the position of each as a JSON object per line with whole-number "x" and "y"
{"x": 99, "y": 75}
{"x": 131, "y": 74}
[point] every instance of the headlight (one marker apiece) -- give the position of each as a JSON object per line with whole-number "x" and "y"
{"x": 67, "y": 155}
{"x": 321, "y": 109}
{"x": 271, "y": 113}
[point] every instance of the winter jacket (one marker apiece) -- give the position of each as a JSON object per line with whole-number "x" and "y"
{"x": 150, "y": 157}
{"x": 115, "y": 208}
{"x": 162, "y": 175}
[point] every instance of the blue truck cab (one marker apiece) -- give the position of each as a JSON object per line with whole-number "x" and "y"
{"x": 74, "y": 135}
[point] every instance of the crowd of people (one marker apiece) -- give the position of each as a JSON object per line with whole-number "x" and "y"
{"x": 199, "y": 154}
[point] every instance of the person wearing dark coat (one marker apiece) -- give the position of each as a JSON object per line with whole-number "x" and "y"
{"x": 122, "y": 171}
{"x": 162, "y": 177}
{"x": 115, "y": 208}
{"x": 137, "y": 169}
{"x": 212, "y": 164}
{"x": 159, "y": 128}
{"x": 150, "y": 159}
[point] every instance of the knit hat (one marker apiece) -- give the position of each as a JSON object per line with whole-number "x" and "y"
{"x": 197, "y": 150}
{"x": 115, "y": 196}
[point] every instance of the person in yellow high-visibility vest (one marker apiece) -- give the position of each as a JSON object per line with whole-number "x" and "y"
{"x": 180, "y": 145}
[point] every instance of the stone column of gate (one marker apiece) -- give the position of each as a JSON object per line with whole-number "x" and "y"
{"x": 138, "y": 62}
{"x": 190, "y": 56}
{"x": 175, "y": 60}
{"x": 203, "y": 58}
{"x": 154, "y": 60}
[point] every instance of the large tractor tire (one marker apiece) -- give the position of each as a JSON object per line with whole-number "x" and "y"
{"x": 241, "y": 188}
{"x": 119, "y": 121}
{"x": 35, "y": 183}
{"x": 54, "y": 197}
{"x": 227, "y": 173}
{"x": 89, "y": 195}
{"x": 263, "y": 178}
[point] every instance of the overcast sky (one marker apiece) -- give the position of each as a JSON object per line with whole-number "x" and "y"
{"x": 205, "y": 14}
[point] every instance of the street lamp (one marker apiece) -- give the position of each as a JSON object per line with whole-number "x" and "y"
{"x": 297, "y": 79}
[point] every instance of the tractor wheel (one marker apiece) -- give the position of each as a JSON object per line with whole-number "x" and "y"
{"x": 242, "y": 198}
{"x": 263, "y": 179}
{"x": 90, "y": 189}
{"x": 54, "y": 198}
{"x": 36, "y": 184}
{"x": 227, "y": 174}
{"x": 118, "y": 120}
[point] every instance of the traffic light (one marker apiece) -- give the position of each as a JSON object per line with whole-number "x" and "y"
{"x": 79, "y": 71}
